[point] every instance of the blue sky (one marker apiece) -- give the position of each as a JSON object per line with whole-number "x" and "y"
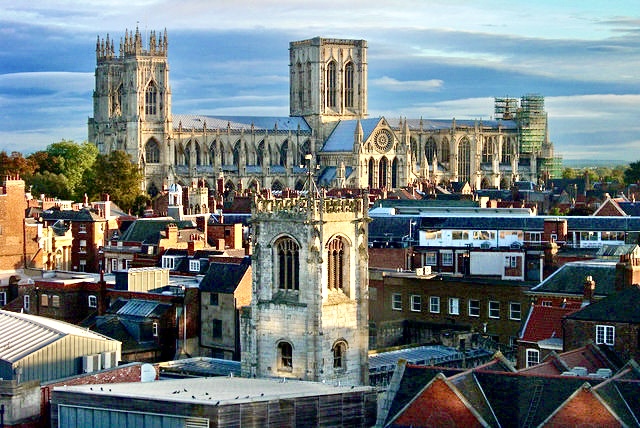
{"x": 431, "y": 59}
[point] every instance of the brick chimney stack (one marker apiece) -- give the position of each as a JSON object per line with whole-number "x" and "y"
{"x": 588, "y": 291}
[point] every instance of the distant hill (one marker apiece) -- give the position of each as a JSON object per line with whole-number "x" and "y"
{"x": 586, "y": 163}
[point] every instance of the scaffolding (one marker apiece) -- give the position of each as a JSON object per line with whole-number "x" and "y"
{"x": 532, "y": 123}
{"x": 505, "y": 108}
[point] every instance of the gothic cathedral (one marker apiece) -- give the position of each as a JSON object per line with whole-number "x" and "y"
{"x": 308, "y": 317}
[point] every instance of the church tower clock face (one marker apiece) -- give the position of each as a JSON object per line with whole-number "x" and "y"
{"x": 383, "y": 140}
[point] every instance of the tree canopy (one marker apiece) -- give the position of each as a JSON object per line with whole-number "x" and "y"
{"x": 632, "y": 174}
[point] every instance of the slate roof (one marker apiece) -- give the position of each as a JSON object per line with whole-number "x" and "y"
{"x": 148, "y": 230}
{"x": 138, "y": 308}
{"x": 621, "y": 307}
{"x": 389, "y": 228}
{"x": 328, "y": 174}
{"x": 569, "y": 279}
{"x": 84, "y": 215}
{"x": 630, "y": 208}
{"x": 201, "y": 366}
{"x": 246, "y": 123}
{"x": 342, "y": 137}
{"x": 224, "y": 277}
{"x": 444, "y": 124}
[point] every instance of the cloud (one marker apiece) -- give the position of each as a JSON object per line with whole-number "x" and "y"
{"x": 394, "y": 85}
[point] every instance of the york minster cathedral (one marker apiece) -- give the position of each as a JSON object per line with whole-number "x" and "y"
{"x": 328, "y": 129}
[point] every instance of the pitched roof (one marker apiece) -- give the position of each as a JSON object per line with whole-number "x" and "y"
{"x": 569, "y": 279}
{"x": 72, "y": 215}
{"x": 342, "y": 137}
{"x": 149, "y": 230}
{"x": 224, "y": 277}
{"x": 582, "y": 401}
{"x": 620, "y": 307}
{"x": 544, "y": 322}
{"x": 246, "y": 123}
{"x": 138, "y": 308}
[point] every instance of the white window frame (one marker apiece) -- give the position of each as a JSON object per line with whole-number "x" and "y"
{"x": 82, "y": 246}
{"x": 127, "y": 264}
{"x": 114, "y": 265}
{"x": 474, "y": 309}
{"x": 416, "y": 303}
{"x": 605, "y": 334}
{"x": 168, "y": 262}
{"x": 454, "y": 306}
{"x": 434, "y": 304}
{"x": 82, "y": 228}
{"x": 494, "y": 306}
{"x": 26, "y": 302}
{"x": 512, "y": 311}
{"x": 82, "y": 265}
{"x": 529, "y": 356}
{"x": 194, "y": 265}
{"x": 431, "y": 258}
{"x": 447, "y": 258}
{"x": 548, "y": 303}
{"x": 154, "y": 329}
{"x": 396, "y": 301}
{"x": 92, "y": 301}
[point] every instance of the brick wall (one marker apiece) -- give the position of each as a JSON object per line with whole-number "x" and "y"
{"x": 12, "y": 211}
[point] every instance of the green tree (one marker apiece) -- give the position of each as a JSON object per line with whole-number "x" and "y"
{"x": 569, "y": 173}
{"x": 71, "y": 160}
{"x": 50, "y": 184}
{"x": 632, "y": 174}
{"x": 118, "y": 176}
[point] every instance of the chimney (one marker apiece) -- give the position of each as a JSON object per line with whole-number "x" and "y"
{"x": 588, "y": 291}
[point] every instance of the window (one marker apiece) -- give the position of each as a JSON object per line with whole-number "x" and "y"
{"x": 82, "y": 228}
{"x": 216, "y": 328}
{"x": 511, "y": 261}
{"x": 127, "y": 264}
{"x": 288, "y": 264}
{"x": 533, "y": 357}
{"x": 546, "y": 303}
{"x": 515, "y": 311}
{"x": 26, "y": 302}
{"x": 194, "y": 265}
{"x": 605, "y": 334}
{"x": 434, "y": 304}
{"x": 213, "y": 299}
{"x": 337, "y": 261}
{"x": 339, "y": 355}
{"x": 152, "y": 152}
{"x": 44, "y": 300}
{"x": 154, "y": 329}
{"x": 348, "y": 85}
{"x": 114, "y": 265}
{"x": 3, "y": 298}
{"x": 474, "y": 308}
{"x": 285, "y": 356}
{"x": 55, "y": 301}
{"x": 416, "y": 303}
{"x": 396, "y": 301}
{"x": 151, "y": 100}
{"x": 82, "y": 265}
{"x": 93, "y": 302}
{"x": 431, "y": 258}
{"x": 169, "y": 262}
{"x": 454, "y": 306}
{"x": 332, "y": 85}
{"x": 494, "y": 309}
{"x": 447, "y": 258}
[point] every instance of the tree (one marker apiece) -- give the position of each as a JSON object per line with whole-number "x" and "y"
{"x": 15, "y": 164}
{"x": 632, "y": 174}
{"x": 118, "y": 176}
{"x": 51, "y": 184}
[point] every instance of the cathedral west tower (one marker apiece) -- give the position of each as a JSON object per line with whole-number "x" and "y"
{"x": 308, "y": 317}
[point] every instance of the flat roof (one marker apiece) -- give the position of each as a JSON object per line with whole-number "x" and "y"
{"x": 215, "y": 390}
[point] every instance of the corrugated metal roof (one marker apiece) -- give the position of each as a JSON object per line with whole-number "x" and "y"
{"x": 140, "y": 308}
{"x": 23, "y": 334}
{"x": 259, "y": 123}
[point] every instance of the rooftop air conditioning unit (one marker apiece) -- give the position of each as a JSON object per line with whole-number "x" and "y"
{"x": 91, "y": 363}
{"x": 109, "y": 359}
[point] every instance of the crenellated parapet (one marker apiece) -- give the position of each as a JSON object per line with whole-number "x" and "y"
{"x": 304, "y": 207}
{"x": 132, "y": 45}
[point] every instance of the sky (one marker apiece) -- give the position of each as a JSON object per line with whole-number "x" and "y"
{"x": 435, "y": 59}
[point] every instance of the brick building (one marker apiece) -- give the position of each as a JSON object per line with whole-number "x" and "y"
{"x": 12, "y": 210}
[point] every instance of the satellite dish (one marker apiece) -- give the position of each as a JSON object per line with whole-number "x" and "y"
{"x": 147, "y": 373}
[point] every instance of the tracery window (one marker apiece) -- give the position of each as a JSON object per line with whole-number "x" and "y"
{"x": 337, "y": 264}
{"x": 430, "y": 149}
{"x": 151, "y": 99}
{"x": 300, "y": 85}
{"x": 382, "y": 173}
{"x": 394, "y": 173}
{"x": 332, "y": 85}
{"x": 283, "y": 153}
{"x": 152, "y": 152}
{"x": 464, "y": 160}
{"x": 288, "y": 264}
{"x": 506, "y": 151}
{"x": 348, "y": 85}
{"x": 445, "y": 151}
{"x": 371, "y": 163}
{"x": 486, "y": 151}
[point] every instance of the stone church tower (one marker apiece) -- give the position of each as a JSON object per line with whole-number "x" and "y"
{"x": 132, "y": 101}
{"x": 308, "y": 317}
{"x": 328, "y": 81}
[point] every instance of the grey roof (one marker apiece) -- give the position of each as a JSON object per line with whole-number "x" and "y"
{"x": 342, "y": 136}
{"x": 444, "y": 124}
{"x": 22, "y": 334}
{"x": 569, "y": 279}
{"x": 71, "y": 215}
{"x": 224, "y": 277}
{"x": 246, "y": 123}
{"x": 329, "y": 173}
{"x": 148, "y": 229}
{"x": 202, "y": 366}
{"x": 431, "y": 355}
{"x": 620, "y": 307}
{"x": 139, "y": 308}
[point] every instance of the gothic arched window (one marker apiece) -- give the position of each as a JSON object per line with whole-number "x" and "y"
{"x": 464, "y": 160}
{"x": 196, "y": 148}
{"x": 283, "y": 153}
{"x": 339, "y": 351}
{"x": 287, "y": 264}
{"x": 285, "y": 356}
{"x": 309, "y": 81}
{"x": 382, "y": 173}
{"x": 236, "y": 154}
{"x": 152, "y": 152}
{"x": 445, "y": 151}
{"x": 348, "y": 85}
{"x": 338, "y": 265}
{"x": 151, "y": 99}
{"x": 300, "y": 85}
{"x": 371, "y": 164}
{"x": 430, "y": 149}
{"x": 394, "y": 173}
{"x": 487, "y": 151}
{"x": 332, "y": 84}
{"x": 260, "y": 153}
{"x": 506, "y": 150}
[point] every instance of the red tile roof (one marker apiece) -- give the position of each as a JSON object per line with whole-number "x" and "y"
{"x": 545, "y": 322}
{"x": 583, "y": 402}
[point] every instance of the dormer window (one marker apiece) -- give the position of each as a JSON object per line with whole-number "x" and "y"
{"x": 169, "y": 262}
{"x": 194, "y": 265}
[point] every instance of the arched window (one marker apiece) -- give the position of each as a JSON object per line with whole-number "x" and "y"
{"x": 430, "y": 149}
{"x": 260, "y": 153}
{"x": 332, "y": 84}
{"x": 445, "y": 151}
{"x": 152, "y": 152}
{"x": 371, "y": 164}
{"x": 338, "y": 265}
{"x": 236, "y": 154}
{"x": 299, "y": 185}
{"x": 464, "y": 160}
{"x": 487, "y": 151}
{"x": 151, "y": 99}
{"x": 283, "y": 153}
{"x": 196, "y": 148}
{"x": 348, "y": 85}
{"x": 187, "y": 155}
{"x": 285, "y": 356}
{"x": 309, "y": 81}
{"x": 116, "y": 101}
{"x": 300, "y": 73}
{"x": 277, "y": 186}
{"x": 506, "y": 150}
{"x": 394, "y": 173}
{"x": 302, "y": 152}
{"x": 339, "y": 351}
{"x": 288, "y": 264}
{"x": 382, "y": 173}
